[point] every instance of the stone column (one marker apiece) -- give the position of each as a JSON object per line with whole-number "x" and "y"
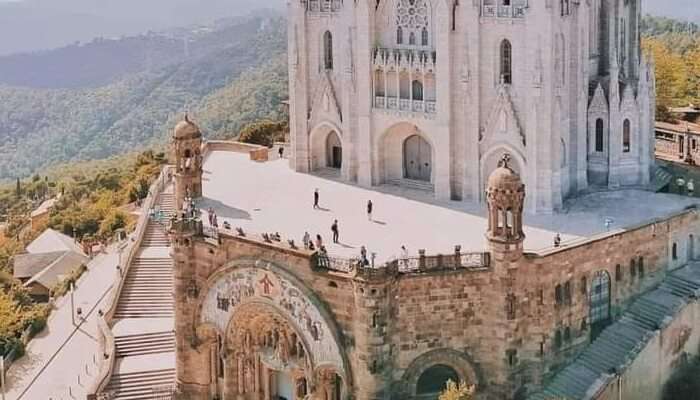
{"x": 298, "y": 88}
{"x": 443, "y": 80}
{"x": 365, "y": 149}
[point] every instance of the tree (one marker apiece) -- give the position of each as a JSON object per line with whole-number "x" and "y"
{"x": 18, "y": 189}
{"x": 457, "y": 391}
{"x": 264, "y": 133}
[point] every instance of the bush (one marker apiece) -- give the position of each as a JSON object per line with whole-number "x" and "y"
{"x": 684, "y": 384}
{"x": 63, "y": 286}
{"x": 263, "y": 133}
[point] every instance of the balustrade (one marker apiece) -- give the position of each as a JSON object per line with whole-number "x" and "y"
{"x": 324, "y": 6}
{"x": 405, "y": 58}
{"x": 502, "y": 11}
{"x": 407, "y": 105}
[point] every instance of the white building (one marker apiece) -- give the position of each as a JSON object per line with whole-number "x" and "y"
{"x": 431, "y": 93}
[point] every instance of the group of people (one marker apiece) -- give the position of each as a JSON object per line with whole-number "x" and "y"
{"x": 213, "y": 218}
{"x": 189, "y": 208}
{"x": 335, "y": 232}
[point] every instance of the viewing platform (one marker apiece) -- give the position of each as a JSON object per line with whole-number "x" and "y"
{"x": 269, "y": 197}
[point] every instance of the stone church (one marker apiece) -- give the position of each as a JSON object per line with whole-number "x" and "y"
{"x": 432, "y": 93}
{"x": 264, "y": 319}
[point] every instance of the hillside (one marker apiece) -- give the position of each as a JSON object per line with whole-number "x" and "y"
{"x": 223, "y": 79}
{"x": 31, "y": 25}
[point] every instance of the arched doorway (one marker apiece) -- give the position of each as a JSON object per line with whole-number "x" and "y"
{"x": 434, "y": 380}
{"x": 599, "y": 303}
{"x": 334, "y": 151}
{"x": 417, "y": 159}
{"x": 691, "y": 247}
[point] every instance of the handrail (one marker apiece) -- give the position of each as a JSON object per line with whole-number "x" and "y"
{"x": 106, "y": 337}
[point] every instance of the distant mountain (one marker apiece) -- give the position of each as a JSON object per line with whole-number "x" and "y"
{"x": 30, "y": 25}
{"x": 232, "y": 74}
{"x": 687, "y": 10}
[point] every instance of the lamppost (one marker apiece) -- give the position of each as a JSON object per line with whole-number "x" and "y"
{"x": 680, "y": 182}
{"x": 72, "y": 303}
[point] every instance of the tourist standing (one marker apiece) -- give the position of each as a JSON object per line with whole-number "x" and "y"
{"x": 319, "y": 241}
{"x": 557, "y": 240}
{"x": 281, "y": 151}
{"x": 363, "y": 255}
{"x": 306, "y": 239}
{"x": 369, "y": 210}
{"x": 334, "y": 229}
{"x": 316, "y": 196}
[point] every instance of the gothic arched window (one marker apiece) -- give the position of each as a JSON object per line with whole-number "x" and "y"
{"x": 626, "y": 128}
{"x": 506, "y": 62}
{"x": 417, "y": 89}
{"x": 599, "y": 135}
{"x": 399, "y": 35}
{"x": 328, "y": 50}
{"x": 413, "y": 17}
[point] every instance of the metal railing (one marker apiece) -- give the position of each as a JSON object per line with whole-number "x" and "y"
{"x": 440, "y": 262}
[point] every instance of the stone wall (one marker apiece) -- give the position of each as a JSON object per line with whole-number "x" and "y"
{"x": 493, "y": 326}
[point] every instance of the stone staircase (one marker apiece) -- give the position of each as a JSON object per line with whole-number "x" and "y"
{"x": 148, "y": 290}
{"x": 147, "y": 343}
{"x": 143, "y": 321}
{"x": 620, "y": 343}
{"x": 412, "y": 184}
{"x": 151, "y": 385}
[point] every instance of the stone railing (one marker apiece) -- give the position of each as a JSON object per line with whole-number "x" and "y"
{"x": 514, "y": 11}
{"x": 255, "y": 152}
{"x": 324, "y": 6}
{"x": 127, "y": 254}
{"x": 424, "y": 60}
{"x": 405, "y": 105}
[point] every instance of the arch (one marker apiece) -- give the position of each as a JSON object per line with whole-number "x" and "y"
{"x": 691, "y": 247}
{"x": 460, "y": 363}
{"x": 334, "y": 150}
{"x": 506, "y": 62}
{"x": 390, "y": 147}
{"x": 328, "y": 50}
{"x": 434, "y": 379}
{"x": 248, "y": 282}
{"x": 599, "y": 302}
{"x": 599, "y": 135}
{"x": 626, "y": 133}
{"x": 417, "y": 90}
{"x": 417, "y": 159}
{"x": 321, "y": 136}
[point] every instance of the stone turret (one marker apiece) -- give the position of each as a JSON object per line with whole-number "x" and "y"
{"x": 505, "y": 195}
{"x": 187, "y": 148}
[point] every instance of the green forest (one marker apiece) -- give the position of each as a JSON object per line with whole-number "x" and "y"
{"x": 675, "y": 47}
{"x": 234, "y": 75}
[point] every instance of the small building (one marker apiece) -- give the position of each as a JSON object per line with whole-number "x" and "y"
{"x": 51, "y": 240}
{"x": 678, "y": 141}
{"x": 40, "y": 272}
{"x": 40, "y": 216}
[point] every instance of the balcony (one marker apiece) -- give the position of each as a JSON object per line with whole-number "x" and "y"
{"x": 324, "y": 6}
{"x": 404, "y": 105}
{"x": 405, "y": 59}
{"x": 513, "y": 11}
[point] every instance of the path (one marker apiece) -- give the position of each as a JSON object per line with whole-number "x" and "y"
{"x": 62, "y": 359}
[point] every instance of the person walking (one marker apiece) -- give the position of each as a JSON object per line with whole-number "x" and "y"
{"x": 369, "y": 210}
{"x": 319, "y": 241}
{"x": 281, "y": 152}
{"x": 316, "y": 196}
{"x": 334, "y": 229}
{"x": 363, "y": 255}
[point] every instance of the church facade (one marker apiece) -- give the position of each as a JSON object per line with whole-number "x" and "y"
{"x": 431, "y": 94}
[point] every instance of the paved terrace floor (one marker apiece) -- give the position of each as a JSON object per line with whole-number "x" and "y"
{"x": 270, "y": 197}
